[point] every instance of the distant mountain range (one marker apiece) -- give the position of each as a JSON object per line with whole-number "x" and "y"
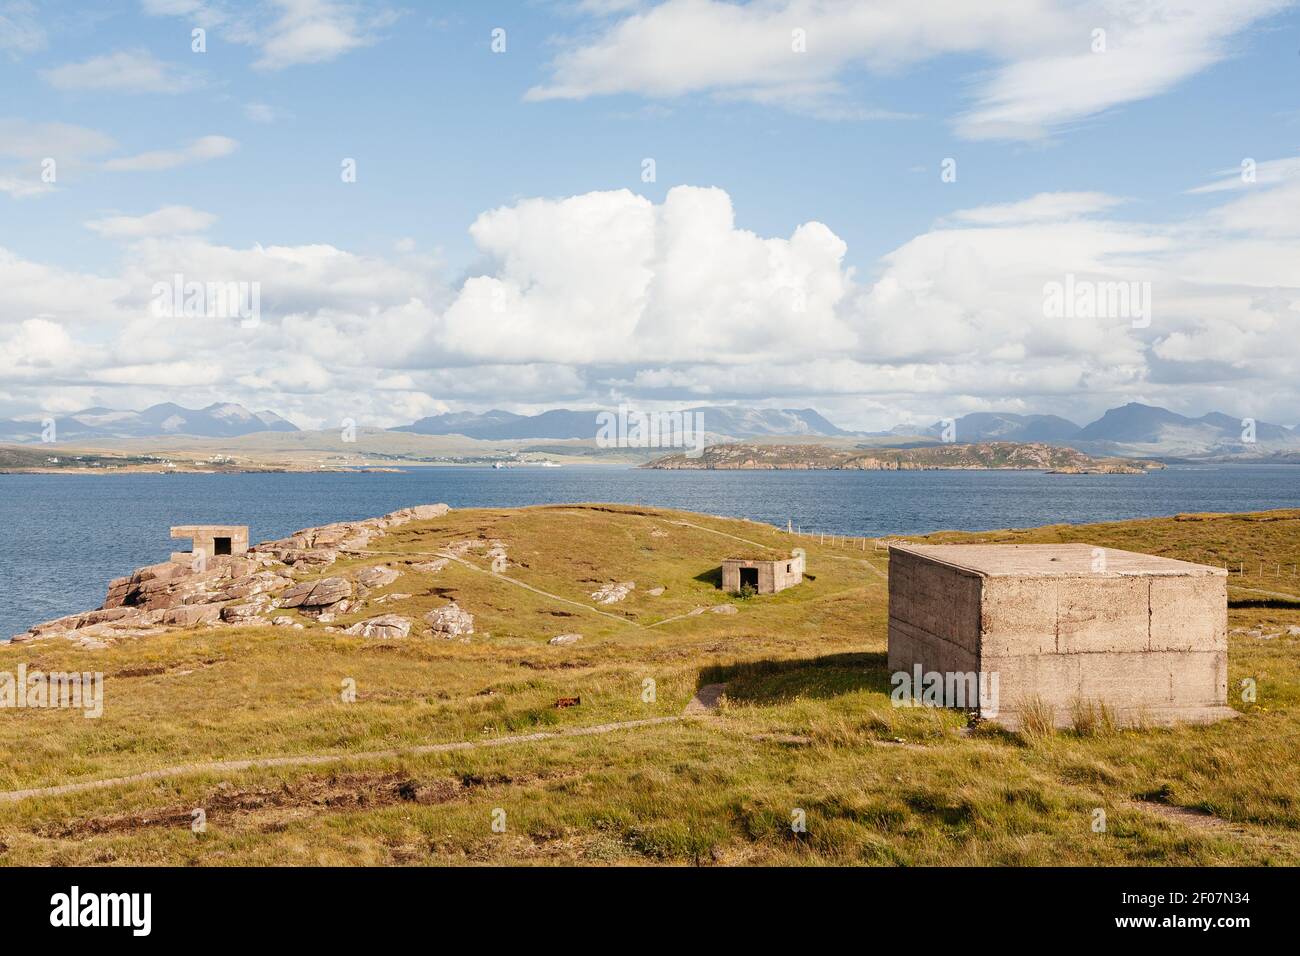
{"x": 1132, "y": 429}
{"x": 562, "y": 423}
{"x": 219, "y": 420}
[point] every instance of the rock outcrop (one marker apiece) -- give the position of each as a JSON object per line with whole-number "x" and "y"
{"x": 386, "y": 625}
{"x": 317, "y": 595}
{"x": 376, "y": 577}
{"x": 612, "y": 593}
{"x": 240, "y": 591}
{"x": 450, "y": 622}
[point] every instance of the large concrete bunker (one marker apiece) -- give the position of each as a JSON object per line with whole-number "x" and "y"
{"x": 1065, "y": 627}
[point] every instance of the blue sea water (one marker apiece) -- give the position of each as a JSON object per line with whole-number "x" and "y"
{"x": 63, "y": 537}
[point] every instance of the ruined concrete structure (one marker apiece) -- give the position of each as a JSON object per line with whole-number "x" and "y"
{"x": 764, "y": 575}
{"x": 1065, "y": 627}
{"x": 212, "y": 540}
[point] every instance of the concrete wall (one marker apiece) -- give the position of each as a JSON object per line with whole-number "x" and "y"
{"x": 204, "y": 538}
{"x": 1145, "y": 637}
{"x": 773, "y": 576}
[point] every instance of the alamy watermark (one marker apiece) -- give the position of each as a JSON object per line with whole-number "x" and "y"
{"x": 211, "y": 300}
{"x": 1089, "y": 299}
{"x": 133, "y": 911}
{"x": 963, "y": 690}
{"x": 632, "y": 428}
{"x": 55, "y": 690}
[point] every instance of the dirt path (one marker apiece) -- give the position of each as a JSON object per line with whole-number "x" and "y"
{"x": 515, "y": 581}
{"x": 308, "y": 760}
{"x": 700, "y": 527}
{"x": 1276, "y": 594}
{"x": 767, "y": 547}
{"x": 1204, "y": 822}
{"x": 704, "y": 703}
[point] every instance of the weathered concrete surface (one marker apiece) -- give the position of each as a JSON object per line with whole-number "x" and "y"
{"x": 772, "y": 574}
{"x": 1066, "y": 627}
{"x": 211, "y": 540}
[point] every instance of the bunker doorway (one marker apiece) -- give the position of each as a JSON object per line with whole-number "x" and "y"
{"x": 220, "y": 545}
{"x": 749, "y": 576}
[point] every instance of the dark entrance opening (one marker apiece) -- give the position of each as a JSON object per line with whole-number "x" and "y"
{"x": 749, "y": 576}
{"x": 220, "y": 545}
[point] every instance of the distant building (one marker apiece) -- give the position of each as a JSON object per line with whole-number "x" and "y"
{"x": 764, "y": 575}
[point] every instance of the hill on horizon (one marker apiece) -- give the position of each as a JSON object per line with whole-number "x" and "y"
{"x": 563, "y": 423}
{"x": 218, "y": 420}
{"x": 1130, "y": 429}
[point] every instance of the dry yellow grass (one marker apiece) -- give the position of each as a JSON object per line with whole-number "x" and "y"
{"x": 805, "y": 728}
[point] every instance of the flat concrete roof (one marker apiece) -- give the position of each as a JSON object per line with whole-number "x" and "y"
{"x": 1053, "y": 560}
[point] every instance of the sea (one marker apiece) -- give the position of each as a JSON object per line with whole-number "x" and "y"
{"x": 63, "y": 537}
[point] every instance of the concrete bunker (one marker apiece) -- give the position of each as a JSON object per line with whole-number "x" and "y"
{"x": 766, "y": 575}
{"x": 1066, "y": 629}
{"x": 211, "y": 540}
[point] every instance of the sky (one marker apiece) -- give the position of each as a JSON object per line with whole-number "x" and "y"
{"x": 873, "y": 208}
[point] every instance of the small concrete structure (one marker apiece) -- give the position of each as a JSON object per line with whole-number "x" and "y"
{"x": 211, "y": 540}
{"x": 1065, "y": 627}
{"x": 764, "y": 575}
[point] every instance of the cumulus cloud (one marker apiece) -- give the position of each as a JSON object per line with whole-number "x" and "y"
{"x": 607, "y": 295}
{"x": 609, "y": 275}
{"x": 1047, "y": 65}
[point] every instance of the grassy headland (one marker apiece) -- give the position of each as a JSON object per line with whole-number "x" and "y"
{"x": 806, "y": 723}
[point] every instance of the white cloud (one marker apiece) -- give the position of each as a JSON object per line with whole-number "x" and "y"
{"x": 1251, "y": 173}
{"x": 609, "y": 293}
{"x": 203, "y": 14}
{"x": 261, "y": 113}
{"x": 1043, "y": 73}
{"x": 312, "y": 31}
{"x": 167, "y": 221}
{"x": 21, "y": 32}
{"x": 34, "y": 154}
{"x": 1044, "y": 207}
{"x": 31, "y": 290}
{"x": 287, "y": 32}
{"x": 24, "y": 140}
{"x": 607, "y": 276}
{"x": 126, "y": 71}
{"x": 201, "y": 150}
{"x": 17, "y": 187}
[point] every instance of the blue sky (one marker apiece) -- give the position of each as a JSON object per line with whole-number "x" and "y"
{"x": 849, "y": 134}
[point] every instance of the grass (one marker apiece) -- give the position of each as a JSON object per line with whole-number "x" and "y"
{"x": 806, "y": 723}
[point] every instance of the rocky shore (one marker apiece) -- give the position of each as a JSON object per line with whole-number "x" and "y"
{"x": 246, "y": 590}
